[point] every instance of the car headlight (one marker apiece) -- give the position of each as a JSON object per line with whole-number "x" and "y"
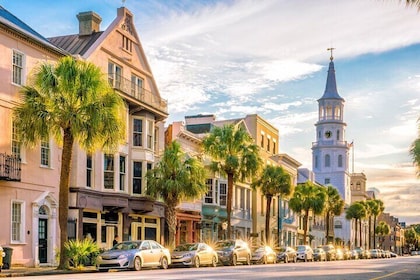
{"x": 123, "y": 256}
{"x": 227, "y": 253}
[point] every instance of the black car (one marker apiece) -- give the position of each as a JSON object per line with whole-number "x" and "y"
{"x": 233, "y": 251}
{"x": 286, "y": 254}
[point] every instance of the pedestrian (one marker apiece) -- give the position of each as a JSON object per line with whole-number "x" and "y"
{"x": 115, "y": 242}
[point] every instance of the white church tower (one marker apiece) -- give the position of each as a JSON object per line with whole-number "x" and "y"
{"x": 330, "y": 152}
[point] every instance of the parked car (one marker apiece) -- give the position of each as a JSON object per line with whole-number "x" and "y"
{"x": 330, "y": 251}
{"x": 194, "y": 254}
{"x": 354, "y": 254}
{"x": 347, "y": 254}
{"x": 264, "y": 255}
{"x": 375, "y": 254}
{"x": 231, "y": 252}
{"x": 304, "y": 253}
{"x": 319, "y": 255}
{"x": 339, "y": 254}
{"x": 393, "y": 255}
{"x": 363, "y": 254}
{"x": 134, "y": 255}
{"x": 287, "y": 254}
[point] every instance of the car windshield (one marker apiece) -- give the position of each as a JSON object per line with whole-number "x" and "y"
{"x": 261, "y": 249}
{"x": 126, "y": 246}
{"x": 300, "y": 248}
{"x": 225, "y": 244}
{"x": 186, "y": 247}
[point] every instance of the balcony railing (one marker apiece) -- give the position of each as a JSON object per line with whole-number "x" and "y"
{"x": 132, "y": 89}
{"x": 330, "y": 143}
{"x": 9, "y": 167}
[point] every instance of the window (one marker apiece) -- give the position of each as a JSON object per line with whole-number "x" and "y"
{"x": 327, "y": 181}
{"x": 155, "y": 139}
{"x": 136, "y": 87}
{"x": 122, "y": 172}
{"x": 274, "y": 146}
{"x": 262, "y": 140}
{"x": 137, "y": 177}
{"x": 327, "y": 161}
{"x": 340, "y": 160}
{"x": 17, "y": 221}
{"x": 114, "y": 75}
{"x": 127, "y": 44}
{"x": 89, "y": 169}
{"x": 223, "y": 194}
{"x": 17, "y": 71}
{"x": 316, "y": 161}
{"x": 358, "y": 186}
{"x": 45, "y": 153}
{"x": 329, "y": 111}
{"x": 137, "y": 132}
{"x": 268, "y": 144}
{"x": 338, "y": 135}
{"x": 209, "y": 195}
{"x": 108, "y": 171}
{"x": 16, "y": 144}
{"x": 150, "y": 130}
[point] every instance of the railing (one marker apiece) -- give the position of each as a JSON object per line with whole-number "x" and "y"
{"x": 329, "y": 143}
{"x": 9, "y": 167}
{"x": 132, "y": 89}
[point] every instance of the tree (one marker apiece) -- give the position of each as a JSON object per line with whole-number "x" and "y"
{"x": 307, "y": 197}
{"x": 382, "y": 230}
{"x": 234, "y": 155}
{"x": 334, "y": 206}
{"x": 274, "y": 181}
{"x": 370, "y": 206}
{"x": 377, "y": 208}
{"x": 72, "y": 102}
{"x": 415, "y": 146}
{"x": 357, "y": 212}
{"x": 176, "y": 177}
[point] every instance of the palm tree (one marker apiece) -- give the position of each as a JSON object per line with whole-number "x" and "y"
{"x": 274, "y": 181}
{"x": 357, "y": 212}
{"x": 72, "y": 102}
{"x": 377, "y": 208}
{"x": 307, "y": 197}
{"x": 235, "y": 155}
{"x": 413, "y": 3}
{"x": 415, "y": 146}
{"x": 176, "y": 177}
{"x": 334, "y": 206}
{"x": 382, "y": 230}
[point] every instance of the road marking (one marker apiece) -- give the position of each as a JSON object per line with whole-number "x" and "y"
{"x": 387, "y": 275}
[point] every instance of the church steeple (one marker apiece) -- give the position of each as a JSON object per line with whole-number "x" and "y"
{"x": 331, "y": 86}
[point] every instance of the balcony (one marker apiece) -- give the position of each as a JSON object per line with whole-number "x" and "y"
{"x": 130, "y": 89}
{"x": 324, "y": 143}
{"x": 9, "y": 167}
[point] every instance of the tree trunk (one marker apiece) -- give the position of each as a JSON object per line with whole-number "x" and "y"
{"x": 229, "y": 204}
{"x": 374, "y": 232}
{"x": 360, "y": 233}
{"x": 327, "y": 224}
{"x": 267, "y": 219}
{"x": 172, "y": 223}
{"x": 370, "y": 232}
{"x": 63, "y": 202}
{"x": 305, "y": 227}
{"x": 355, "y": 232}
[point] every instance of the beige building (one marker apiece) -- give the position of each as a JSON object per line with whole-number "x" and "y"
{"x": 28, "y": 176}
{"x": 107, "y": 191}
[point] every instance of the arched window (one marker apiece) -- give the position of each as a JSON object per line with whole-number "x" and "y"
{"x": 329, "y": 112}
{"x": 43, "y": 210}
{"x": 327, "y": 161}
{"x": 340, "y": 160}
{"x": 316, "y": 161}
{"x": 338, "y": 134}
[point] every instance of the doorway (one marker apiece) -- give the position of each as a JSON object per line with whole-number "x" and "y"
{"x": 43, "y": 240}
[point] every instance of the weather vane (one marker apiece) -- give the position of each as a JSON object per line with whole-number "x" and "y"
{"x": 331, "y": 50}
{"x": 123, "y": 2}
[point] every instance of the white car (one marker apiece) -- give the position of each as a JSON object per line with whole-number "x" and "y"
{"x": 305, "y": 253}
{"x": 134, "y": 255}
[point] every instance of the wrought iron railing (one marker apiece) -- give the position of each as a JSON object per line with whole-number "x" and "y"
{"x": 9, "y": 167}
{"x": 132, "y": 89}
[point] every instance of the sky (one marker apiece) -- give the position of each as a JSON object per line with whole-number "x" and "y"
{"x": 231, "y": 58}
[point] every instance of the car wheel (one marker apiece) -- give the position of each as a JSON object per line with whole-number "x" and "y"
{"x": 286, "y": 259}
{"x": 137, "y": 264}
{"x": 103, "y": 270}
{"x": 214, "y": 262}
{"x": 306, "y": 259}
{"x": 196, "y": 262}
{"x": 274, "y": 260}
{"x": 295, "y": 259}
{"x": 164, "y": 263}
{"x": 234, "y": 260}
{"x": 264, "y": 260}
{"x": 248, "y": 260}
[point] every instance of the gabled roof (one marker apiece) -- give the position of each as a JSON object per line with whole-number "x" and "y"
{"x": 11, "y": 21}
{"x": 75, "y": 44}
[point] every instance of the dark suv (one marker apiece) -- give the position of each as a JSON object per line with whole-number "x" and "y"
{"x": 233, "y": 251}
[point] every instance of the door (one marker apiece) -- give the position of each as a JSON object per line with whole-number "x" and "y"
{"x": 43, "y": 240}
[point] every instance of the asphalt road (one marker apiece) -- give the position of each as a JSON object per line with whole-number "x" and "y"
{"x": 401, "y": 268}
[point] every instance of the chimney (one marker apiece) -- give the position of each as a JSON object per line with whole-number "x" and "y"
{"x": 89, "y": 22}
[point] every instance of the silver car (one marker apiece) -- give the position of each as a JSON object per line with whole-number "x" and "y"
{"x": 134, "y": 255}
{"x": 194, "y": 254}
{"x": 304, "y": 253}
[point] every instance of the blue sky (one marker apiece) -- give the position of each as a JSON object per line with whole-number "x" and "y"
{"x": 268, "y": 57}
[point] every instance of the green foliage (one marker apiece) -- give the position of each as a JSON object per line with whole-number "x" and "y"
{"x": 81, "y": 252}
{"x": 415, "y": 150}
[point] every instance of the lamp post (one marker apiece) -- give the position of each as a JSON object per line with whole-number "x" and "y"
{"x": 224, "y": 228}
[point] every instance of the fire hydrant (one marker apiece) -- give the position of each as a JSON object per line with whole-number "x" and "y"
{"x": 2, "y": 255}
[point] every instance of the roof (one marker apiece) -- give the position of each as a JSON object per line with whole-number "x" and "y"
{"x": 75, "y": 44}
{"x": 331, "y": 86}
{"x": 12, "y": 22}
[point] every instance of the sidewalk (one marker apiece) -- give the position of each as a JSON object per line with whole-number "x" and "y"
{"x": 33, "y": 271}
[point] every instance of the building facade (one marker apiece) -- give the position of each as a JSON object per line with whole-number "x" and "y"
{"x": 28, "y": 175}
{"x": 107, "y": 191}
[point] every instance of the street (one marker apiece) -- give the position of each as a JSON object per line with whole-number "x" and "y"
{"x": 406, "y": 268}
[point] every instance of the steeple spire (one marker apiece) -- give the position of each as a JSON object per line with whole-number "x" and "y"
{"x": 331, "y": 86}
